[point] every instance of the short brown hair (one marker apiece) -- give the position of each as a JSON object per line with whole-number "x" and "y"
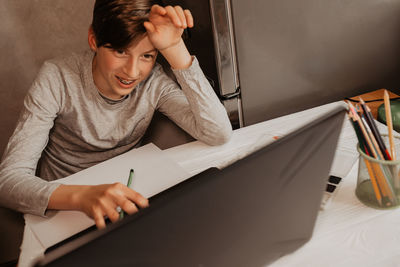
{"x": 119, "y": 22}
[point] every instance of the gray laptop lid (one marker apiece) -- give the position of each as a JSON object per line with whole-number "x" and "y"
{"x": 248, "y": 214}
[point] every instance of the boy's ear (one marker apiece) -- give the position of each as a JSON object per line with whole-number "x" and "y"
{"x": 92, "y": 40}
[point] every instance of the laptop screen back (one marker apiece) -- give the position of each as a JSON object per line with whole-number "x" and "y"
{"x": 248, "y": 214}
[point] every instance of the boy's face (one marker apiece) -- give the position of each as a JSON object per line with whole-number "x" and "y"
{"x": 117, "y": 72}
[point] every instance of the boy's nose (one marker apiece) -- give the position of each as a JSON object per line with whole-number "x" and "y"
{"x": 132, "y": 69}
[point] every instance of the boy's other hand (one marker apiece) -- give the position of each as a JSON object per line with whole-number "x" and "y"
{"x": 97, "y": 201}
{"x": 166, "y": 25}
{"x": 102, "y": 200}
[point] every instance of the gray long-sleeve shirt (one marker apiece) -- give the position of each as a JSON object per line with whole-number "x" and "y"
{"x": 66, "y": 125}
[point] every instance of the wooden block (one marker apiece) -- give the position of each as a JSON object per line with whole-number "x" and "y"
{"x": 374, "y": 95}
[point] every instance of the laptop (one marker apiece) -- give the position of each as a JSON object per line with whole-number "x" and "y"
{"x": 250, "y": 213}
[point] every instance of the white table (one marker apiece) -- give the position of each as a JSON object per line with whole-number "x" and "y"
{"x": 346, "y": 233}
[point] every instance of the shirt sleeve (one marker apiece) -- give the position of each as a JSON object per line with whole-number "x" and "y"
{"x": 20, "y": 189}
{"x": 195, "y": 107}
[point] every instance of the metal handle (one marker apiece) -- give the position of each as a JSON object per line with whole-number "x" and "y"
{"x": 224, "y": 41}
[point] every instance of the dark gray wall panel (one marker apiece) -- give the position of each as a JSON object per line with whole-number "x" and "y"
{"x": 297, "y": 54}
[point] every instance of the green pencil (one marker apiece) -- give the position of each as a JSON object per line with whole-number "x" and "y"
{"x": 121, "y": 213}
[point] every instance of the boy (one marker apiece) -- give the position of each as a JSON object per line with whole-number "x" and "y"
{"x": 86, "y": 108}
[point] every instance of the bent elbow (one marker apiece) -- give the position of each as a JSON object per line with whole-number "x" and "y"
{"x": 222, "y": 136}
{"x": 225, "y": 136}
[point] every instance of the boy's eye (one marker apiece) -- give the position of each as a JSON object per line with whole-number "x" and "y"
{"x": 148, "y": 56}
{"x": 120, "y": 52}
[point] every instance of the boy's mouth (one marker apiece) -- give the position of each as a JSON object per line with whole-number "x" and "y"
{"x": 126, "y": 82}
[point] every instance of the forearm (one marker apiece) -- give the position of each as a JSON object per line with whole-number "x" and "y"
{"x": 199, "y": 112}
{"x": 177, "y": 56}
{"x": 20, "y": 189}
{"x": 24, "y": 192}
{"x": 97, "y": 201}
{"x": 66, "y": 197}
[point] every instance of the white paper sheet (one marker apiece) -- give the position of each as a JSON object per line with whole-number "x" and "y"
{"x": 154, "y": 172}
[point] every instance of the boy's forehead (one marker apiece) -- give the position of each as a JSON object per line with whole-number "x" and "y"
{"x": 142, "y": 44}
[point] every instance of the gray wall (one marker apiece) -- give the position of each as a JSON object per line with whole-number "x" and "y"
{"x": 32, "y": 31}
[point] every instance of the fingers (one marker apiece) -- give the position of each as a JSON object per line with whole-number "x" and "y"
{"x": 173, "y": 16}
{"x": 103, "y": 200}
{"x": 136, "y": 198}
{"x": 109, "y": 207}
{"x": 179, "y": 17}
{"x": 189, "y": 18}
{"x": 158, "y": 10}
{"x": 149, "y": 27}
{"x": 129, "y": 207}
{"x": 126, "y": 198}
{"x": 98, "y": 217}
